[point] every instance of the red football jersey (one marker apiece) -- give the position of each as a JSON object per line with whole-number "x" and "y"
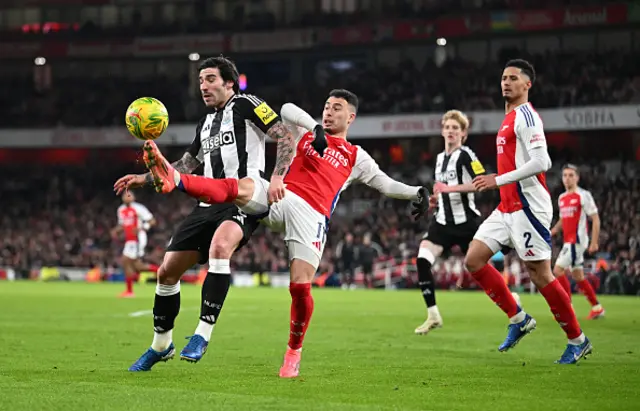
{"x": 319, "y": 180}
{"x": 574, "y": 208}
{"x": 520, "y": 132}
{"x": 131, "y": 217}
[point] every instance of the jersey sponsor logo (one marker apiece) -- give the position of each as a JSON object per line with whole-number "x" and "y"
{"x": 506, "y": 126}
{"x": 477, "y": 168}
{"x": 265, "y": 113}
{"x": 536, "y": 138}
{"x": 500, "y": 142}
{"x": 221, "y": 139}
{"x": 449, "y": 175}
{"x": 568, "y": 212}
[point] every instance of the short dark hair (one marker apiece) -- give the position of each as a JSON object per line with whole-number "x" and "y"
{"x": 571, "y": 167}
{"x": 228, "y": 70}
{"x": 524, "y": 66}
{"x": 349, "y": 97}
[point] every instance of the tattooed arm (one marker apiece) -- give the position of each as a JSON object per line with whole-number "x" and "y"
{"x": 286, "y": 148}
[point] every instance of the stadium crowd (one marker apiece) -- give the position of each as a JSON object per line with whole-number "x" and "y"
{"x": 564, "y": 79}
{"x": 68, "y": 219}
{"x": 205, "y": 16}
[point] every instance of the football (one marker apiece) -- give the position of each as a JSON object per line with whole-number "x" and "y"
{"x": 147, "y": 118}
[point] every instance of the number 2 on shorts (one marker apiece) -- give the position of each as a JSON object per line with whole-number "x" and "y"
{"x": 527, "y": 239}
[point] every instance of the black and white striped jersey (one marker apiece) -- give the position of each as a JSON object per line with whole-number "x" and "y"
{"x": 230, "y": 141}
{"x": 458, "y": 167}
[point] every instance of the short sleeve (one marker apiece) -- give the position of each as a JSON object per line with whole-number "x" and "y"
{"x": 588, "y": 203}
{"x": 143, "y": 212}
{"x": 194, "y": 148}
{"x": 471, "y": 163}
{"x": 257, "y": 111}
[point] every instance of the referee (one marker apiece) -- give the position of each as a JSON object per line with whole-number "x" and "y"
{"x": 457, "y": 217}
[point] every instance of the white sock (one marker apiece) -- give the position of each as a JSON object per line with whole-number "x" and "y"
{"x": 162, "y": 341}
{"x": 433, "y": 312}
{"x": 518, "y": 318}
{"x": 204, "y": 329}
{"x": 597, "y": 307}
{"x": 577, "y": 341}
{"x": 176, "y": 177}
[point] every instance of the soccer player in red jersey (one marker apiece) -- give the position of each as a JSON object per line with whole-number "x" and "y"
{"x": 576, "y": 206}
{"x": 134, "y": 220}
{"x": 523, "y": 217}
{"x": 313, "y": 185}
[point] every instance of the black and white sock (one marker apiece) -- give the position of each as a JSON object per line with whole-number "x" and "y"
{"x": 165, "y": 310}
{"x": 426, "y": 281}
{"x": 214, "y": 292}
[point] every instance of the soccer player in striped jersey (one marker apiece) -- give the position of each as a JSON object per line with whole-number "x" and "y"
{"x": 230, "y": 143}
{"x": 523, "y": 217}
{"x": 576, "y": 206}
{"x": 457, "y": 218}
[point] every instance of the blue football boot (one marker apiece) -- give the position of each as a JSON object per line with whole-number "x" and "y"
{"x": 152, "y": 357}
{"x": 195, "y": 349}
{"x": 517, "y": 332}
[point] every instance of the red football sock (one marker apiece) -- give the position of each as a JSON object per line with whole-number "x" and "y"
{"x": 129, "y": 281}
{"x": 301, "y": 310}
{"x": 209, "y": 190}
{"x": 588, "y": 291}
{"x": 560, "y": 305}
{"x": 564, "y": 282}
{"x": 493, "y": 284}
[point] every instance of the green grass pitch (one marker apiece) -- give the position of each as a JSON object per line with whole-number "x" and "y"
{"x": 66, "y": 346}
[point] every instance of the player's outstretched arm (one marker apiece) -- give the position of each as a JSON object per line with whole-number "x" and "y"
{"x": 297, "y": 116}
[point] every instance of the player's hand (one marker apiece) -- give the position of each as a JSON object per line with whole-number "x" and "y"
{"x": 319, "y": 142}
{"x": 433, "y": 201}
{"x": 485, "y": 182}
{"x": 593, "y": 247}
{"x": 553, "y": 232}
{"x": 128, "y": 182}
{"x": 276, "y": 189}
{"x": 421, "y": 205}
{"x": 440, "y": 188}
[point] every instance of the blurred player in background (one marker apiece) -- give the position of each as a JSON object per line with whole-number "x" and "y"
{"x": 134, "y": 220}
{"x": 230, "y": 141}
{"x": 576, "y": 206}
{"x": 457, "y": 218}
{"x": 523, "y": 217}
{"x": 314, "y": 183}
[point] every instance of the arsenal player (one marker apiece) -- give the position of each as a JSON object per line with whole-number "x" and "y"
{"x": 576, "y": 206}
{"x": 313, "y": 185}
{"x": 134, "y": 220}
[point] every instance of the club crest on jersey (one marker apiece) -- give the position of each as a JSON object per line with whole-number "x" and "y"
{"x": 221, "y": 139}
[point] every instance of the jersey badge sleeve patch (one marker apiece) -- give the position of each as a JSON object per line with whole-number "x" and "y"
{"x": 265, "y": 113}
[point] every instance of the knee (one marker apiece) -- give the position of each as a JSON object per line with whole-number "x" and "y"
{"x": 473, "y": 263}
{"x": 221, "y": 249}
{"x": 166, "y": 276}
{"x": 302, "y": 271}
